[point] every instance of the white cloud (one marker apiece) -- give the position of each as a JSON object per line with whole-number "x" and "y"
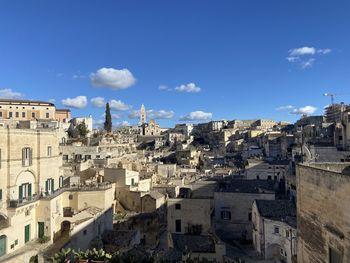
{"x": 304, "y": 110}
{"x": 118, "y": 105}
{"x": 197, "y": 115}
{"x": 298, "y": 55}
{"x": 112, "y": 78}
{"x": 10, "y": 94}
{"x": 122, "y": 124}
{"x": 98, "y": 102}
{"x": 324, "y": 51}
{"x": 287, "y": 107}
{"x": 78, "y": 76}
{"x": 164, "y": 87}
{"x": 78, "y": 102}
{"x": 152, "y": 114}
{"x": 295, "y": 52}
{"x": 135, "y": 114}
{"x": 161, "y": 114}
{"x": 190, "y": 87}
{"x": 293, "y": 59}
{"x": 308, "y": 63}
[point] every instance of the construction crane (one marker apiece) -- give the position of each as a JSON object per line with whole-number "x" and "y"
{"x": 330, "y": 95}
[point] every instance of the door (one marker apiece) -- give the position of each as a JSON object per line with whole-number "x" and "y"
{"x": 41, "y": 228}
{"x": 26, "y": 233}
{"x": 2, "y": 245}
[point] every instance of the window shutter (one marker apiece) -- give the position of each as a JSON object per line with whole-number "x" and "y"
{"x": 52, "y": 185}
{"x": 23, "y": 156}
{"x": 30, "y": 156}
{"x": 0, "y": 194}
{"x": 20, "y": 193}
{"x": 46, "y": 186}
{"x": 29, "y": 190}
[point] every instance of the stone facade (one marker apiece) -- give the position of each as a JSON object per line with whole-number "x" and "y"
{"x": 323, "y": 213}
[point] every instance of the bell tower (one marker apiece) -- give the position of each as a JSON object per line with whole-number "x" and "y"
{"x": 142, "y": 115}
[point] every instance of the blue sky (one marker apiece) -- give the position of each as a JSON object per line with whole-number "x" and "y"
{"x": 213, "y": 59}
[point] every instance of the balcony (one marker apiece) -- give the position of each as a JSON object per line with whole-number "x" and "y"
{"x": 100, "y": 187}
{"x": 15, "y": 203}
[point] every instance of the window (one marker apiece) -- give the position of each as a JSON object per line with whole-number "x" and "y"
{"x": 0, "y": 114}
{"x": 27, "y": 154}
{"x": 334, "y": 256}
{"x": 287, "y": 234}
{"x": 33, "y": 115}
{"x": 132, "y": 181}
{"x": 0, "y": 194}
{"x": 257, "y": 177}
{"x": 250, "y": 216}
{"x": 49, "y": 151}
{"x": 65, "y": 157}
{"x": 276, "y": 230}
{"x": 49, "y": 186}
{"x": 23, "y": 114}
{"x": 178, "y": 225}
{"x": 225, "y": 215}
{"x": 47, "y": 115}
{"x": 61, "y": 180}
{"x": 85, "y": 232}
{"x": 178, "y": 206}
{"x": 17, "y": 114}
{"x": 10, "y": 114}
{"x": 24, "y": 191}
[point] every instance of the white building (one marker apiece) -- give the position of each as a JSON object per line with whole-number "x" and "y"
{"x": 274, "y": 230}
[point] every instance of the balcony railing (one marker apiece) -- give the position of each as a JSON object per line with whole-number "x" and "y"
{"x": 24, "y": 201}
{"x": 44, "y": 195}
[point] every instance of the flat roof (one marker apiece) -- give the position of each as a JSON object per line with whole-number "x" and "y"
{"x": 21, "y": 102}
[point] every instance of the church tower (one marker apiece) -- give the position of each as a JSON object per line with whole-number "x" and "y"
{"x": 142, "y": 115}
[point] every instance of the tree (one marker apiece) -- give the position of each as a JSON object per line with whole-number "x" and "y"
{"x": 82, "y": 129}
{"x": 108, "y": 120}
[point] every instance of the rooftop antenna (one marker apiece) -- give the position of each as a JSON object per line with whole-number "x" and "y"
{"x": 330, "y": 95}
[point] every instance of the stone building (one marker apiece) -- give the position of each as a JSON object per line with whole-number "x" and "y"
{"x": 274, "y": 230}
{"x": 189, "y": 216}
{"x": 233, "y": 202}
{"x": 26, "y": 110}
{"x": 35, "y": 202}
{"x": 323, "y": 213}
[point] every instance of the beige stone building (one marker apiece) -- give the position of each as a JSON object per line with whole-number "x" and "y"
{"x": 26, "y": 109}
{"x": 323, "y": 212}
{"x": 34, "y": 200}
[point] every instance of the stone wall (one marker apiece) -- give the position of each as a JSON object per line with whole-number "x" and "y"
{"x": 323, "y": 214}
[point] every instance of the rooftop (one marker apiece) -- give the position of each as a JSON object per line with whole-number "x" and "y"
{"x": 23, "y": 102}
{"x": 280, "y": 210}
{"x": 247, "y": 186}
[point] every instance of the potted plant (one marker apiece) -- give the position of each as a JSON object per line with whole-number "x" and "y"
{"x": 98, "y": 256}
{"x": 80, "y": 256}
{"x": 62, "y": 256}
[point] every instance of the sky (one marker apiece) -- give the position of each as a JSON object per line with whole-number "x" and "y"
{"x": 185, "y": 60}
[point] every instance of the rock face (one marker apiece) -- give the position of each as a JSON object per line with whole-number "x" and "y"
{"x": 323, "y": 214}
